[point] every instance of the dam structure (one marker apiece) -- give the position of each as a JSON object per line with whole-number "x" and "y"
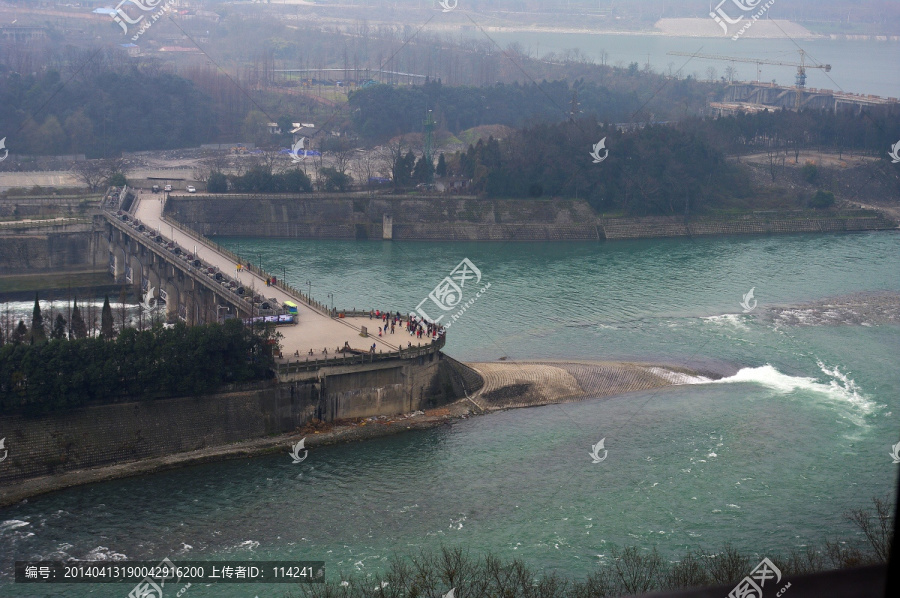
{"x": 329, "y": 368}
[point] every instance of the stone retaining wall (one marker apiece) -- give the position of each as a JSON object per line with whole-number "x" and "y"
{"x": 51, "y": 248}
{"x": 110, "y": 434}
{"x": 471, "y": 219}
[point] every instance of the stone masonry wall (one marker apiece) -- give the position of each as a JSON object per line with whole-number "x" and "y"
{"x": 109, "y": 434}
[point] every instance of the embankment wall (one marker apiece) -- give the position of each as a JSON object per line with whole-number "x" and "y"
{"x": 470, "y": 219}
{"x": 31, "y": 249}
{"x": 425, "y": 218}
{"x": 110, "y": 434}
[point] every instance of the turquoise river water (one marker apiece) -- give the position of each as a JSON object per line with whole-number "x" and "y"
{"x": 797, "y": 431}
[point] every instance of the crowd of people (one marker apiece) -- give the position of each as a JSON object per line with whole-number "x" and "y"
{"x": 415, "y": 326}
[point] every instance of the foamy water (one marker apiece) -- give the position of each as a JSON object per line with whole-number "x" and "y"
{"x": 835, "y": 388}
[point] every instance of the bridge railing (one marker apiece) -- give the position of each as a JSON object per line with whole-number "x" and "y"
{"x": 201, "y": 273}
{"x": 279, "y": 283}
{"x": 309, "y": 365}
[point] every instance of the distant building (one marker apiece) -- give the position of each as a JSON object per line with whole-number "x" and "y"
{"x": 181, "y": 49}
{"x": 307, "y": 130}
{"x": 274, "y": 129}
{"x": 132, "y": 49}
{"x": 22, "y": 34}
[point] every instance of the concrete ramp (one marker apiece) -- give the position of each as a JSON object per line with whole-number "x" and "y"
{"x": 522, "y": 384}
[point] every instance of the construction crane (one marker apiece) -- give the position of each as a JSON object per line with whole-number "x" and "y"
{"x": 800, "y": 79}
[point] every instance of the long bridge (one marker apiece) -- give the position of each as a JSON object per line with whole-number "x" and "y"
{"x": 199, "y": 282}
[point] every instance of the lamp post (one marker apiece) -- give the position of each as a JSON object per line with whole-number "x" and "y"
{"x": 309, "y": 290}
{"x": 331, "y": 296}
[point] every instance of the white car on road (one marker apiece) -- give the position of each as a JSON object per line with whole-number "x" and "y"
{"x": 191, "y": 189}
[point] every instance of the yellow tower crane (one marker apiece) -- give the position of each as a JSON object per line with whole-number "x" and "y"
{"x": 800, "y": 80}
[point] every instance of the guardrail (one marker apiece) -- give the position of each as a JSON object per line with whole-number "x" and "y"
{"x": 200, "y": 272}
{"x": 279, "y": 283}
{"x": 298, "y": 366}
{"x": 48, "y": 223}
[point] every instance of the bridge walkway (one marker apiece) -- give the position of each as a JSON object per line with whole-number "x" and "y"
{"x": 316, "y": 331}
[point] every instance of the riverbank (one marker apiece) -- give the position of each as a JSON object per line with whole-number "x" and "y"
{"x": 442, "y": 218}
{"x": 508, "y": 385}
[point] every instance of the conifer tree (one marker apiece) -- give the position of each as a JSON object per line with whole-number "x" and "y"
{"x": 79, "y": 328}
{"x": 19, "y": 333}
{"x": 106, "y": 321}
{"x": 38, "y": 334}
{"x": 59, "y": 328}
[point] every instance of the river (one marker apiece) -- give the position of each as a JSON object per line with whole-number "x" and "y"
{"x": 858, "y": 66}
{"x": 768, "y": 458}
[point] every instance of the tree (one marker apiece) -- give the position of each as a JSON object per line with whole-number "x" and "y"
{"x": 295, "y": 181}
{"x": 79, "y": 328}
{"x": 96, "y": 173}
{"x": 106, "y": 321}
{"x": 52, "y": 137}
{"x": 117, "y": 179}
{"x": 822, "y": 200}
{"x": 333, "y": 180}
{"x": 255, "y": 128}
{"x": 38, "y": 334}
{"x": 403, "y": 167}
{"x": 59, "y": 328}
{"x": 441, "y": 169}
{"x": 217, "y": 183}
{"x": 810, "y": 172}
{"x": 80, "y": 129}
{"x": 91, "y": 172}
{"x": 423, "y": 172}
{"x": 19, "y": 333}
{"x": 286, "y": 125}
{"x": 340, "y": 149}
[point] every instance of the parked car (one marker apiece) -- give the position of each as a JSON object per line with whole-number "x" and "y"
{"x": 167, "y": 188}
{"x": 154, "y": 189}
{"x": 191, "y": 189}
